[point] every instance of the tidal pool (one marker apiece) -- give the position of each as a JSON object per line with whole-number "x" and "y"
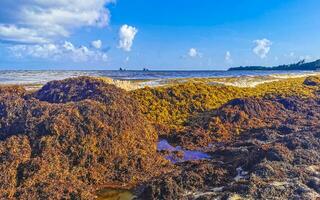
{"x": 115, "y": 194}
{"x": 187, "y": 154}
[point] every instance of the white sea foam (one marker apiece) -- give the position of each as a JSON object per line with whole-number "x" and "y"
{"x": 244, "y": 83}
{"x": 155, "y": 78}
{"x": 294, "y": 75}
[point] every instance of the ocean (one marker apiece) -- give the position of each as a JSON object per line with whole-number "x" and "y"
{"x": 41, "y": 77}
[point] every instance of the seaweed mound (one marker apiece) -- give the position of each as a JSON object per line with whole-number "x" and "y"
{"x": 241, "y": 115}
{"x": 171, "y": 106}
{"x": 312, "y": 81}
{"x": 247, "y": 114}
{"x": 78, "y": 89}
{"x": 273, "y": 155}
{"x": 71, "y": 138}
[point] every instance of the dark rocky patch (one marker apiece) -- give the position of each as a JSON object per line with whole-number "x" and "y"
{"x": 312, "y": 81}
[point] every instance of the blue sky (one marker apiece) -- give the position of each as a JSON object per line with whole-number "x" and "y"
{"x": 163, "y": 35}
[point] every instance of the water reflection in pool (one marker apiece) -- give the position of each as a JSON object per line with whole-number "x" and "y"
{"x": 187, "y": 154}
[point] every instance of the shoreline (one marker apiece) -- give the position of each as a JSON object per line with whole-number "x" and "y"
{"x": 236, "y": 81}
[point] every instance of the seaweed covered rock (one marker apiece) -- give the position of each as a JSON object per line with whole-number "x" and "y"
{"x": 73, "y": 137}
{"x": 312, "y": 81}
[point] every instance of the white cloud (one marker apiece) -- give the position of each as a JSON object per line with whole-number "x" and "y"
{"x": 228, "y": 57}
{"x": 291, "y": 54}
{"x": 41, "y": 21}
{"x": 127, "y": 35}
{"x": 262, "y": 47}
{"x": 96, "y": 44}
{"x": 193, "y": 53}
{"x": 12, "y": 33}
{"x": 58, "y": 51}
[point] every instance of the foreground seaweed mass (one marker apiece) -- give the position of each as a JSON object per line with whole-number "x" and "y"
{"x": 272, "y": 152}
{"x": 76, "y": 136}
{"x": 71, "y": 138}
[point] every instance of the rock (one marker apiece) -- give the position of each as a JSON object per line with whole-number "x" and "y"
{"x": 314, "y": 183}
{"x": 312, "y": 81}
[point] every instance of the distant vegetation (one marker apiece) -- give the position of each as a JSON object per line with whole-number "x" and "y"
{"x": 301, "y": 65}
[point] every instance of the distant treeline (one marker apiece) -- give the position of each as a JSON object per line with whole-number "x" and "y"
{"x": 301, "y": 65}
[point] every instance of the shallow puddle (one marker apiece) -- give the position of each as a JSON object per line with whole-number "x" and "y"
{"x": 187, "y": 154}
{"x": 115, "y": 194}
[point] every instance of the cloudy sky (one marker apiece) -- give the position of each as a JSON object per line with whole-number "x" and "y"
{"x": 167, "y": 34}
